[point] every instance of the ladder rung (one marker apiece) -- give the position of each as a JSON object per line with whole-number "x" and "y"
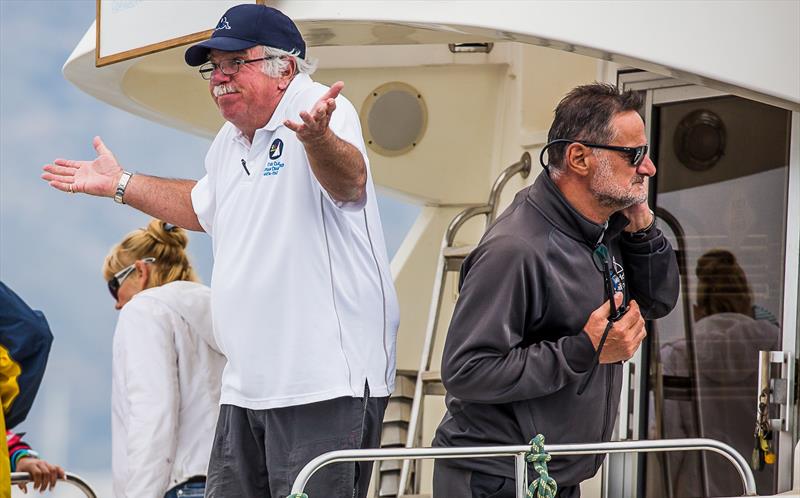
{"x": 432, "y": 383}
{"x": 404, "y": 387}
{"x": 398, "y": 410}
{"x": 394, "y": 434}
{"x": 454, "y": 256}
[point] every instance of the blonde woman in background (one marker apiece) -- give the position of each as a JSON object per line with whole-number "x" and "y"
{"x": 166, "y": 367}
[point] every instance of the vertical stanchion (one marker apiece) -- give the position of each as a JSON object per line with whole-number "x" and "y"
{"x": 521, "y": 468}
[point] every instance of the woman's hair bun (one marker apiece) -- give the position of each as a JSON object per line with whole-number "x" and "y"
{"x": 167, "y": 233}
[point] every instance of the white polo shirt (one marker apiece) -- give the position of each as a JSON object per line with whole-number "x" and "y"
{"x": 303, "y": 302}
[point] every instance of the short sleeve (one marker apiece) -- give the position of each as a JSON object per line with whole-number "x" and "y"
{"x": 204, "y": 204}
{"x": 346, "y": 125}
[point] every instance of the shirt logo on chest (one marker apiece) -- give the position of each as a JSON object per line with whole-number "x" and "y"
{"x": 274, "y": 166}
{"x": 276, "y": 149}
{"x": 617, "y": 276}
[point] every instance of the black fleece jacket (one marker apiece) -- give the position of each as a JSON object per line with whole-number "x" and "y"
{"x": 516, "y": 351}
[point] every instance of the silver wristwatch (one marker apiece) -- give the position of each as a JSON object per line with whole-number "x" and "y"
{"x": 123, "y": 183}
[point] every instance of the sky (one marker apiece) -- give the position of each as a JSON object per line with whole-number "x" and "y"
{"x": 52, "y": 245}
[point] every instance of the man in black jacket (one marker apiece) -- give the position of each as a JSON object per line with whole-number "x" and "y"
{"x": 554, "y": 298}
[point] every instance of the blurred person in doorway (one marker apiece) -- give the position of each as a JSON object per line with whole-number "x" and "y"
{"x": 166, "y": 367}
{"x": 727, "y": 339}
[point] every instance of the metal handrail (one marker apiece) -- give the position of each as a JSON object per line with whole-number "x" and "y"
{"x": 519, "y": 451}
{"x": 523, "y": 167}
{"x": 75, "y": 480}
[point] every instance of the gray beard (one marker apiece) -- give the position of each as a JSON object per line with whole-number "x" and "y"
{"x": 609, "y": 195}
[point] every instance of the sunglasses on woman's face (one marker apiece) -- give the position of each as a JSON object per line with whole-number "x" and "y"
{"x": 116, "y": 281}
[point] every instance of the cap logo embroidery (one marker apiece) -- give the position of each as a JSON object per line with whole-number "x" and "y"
{"x": 223, "y": 24}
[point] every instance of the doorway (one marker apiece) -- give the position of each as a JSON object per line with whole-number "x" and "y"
{"x": 721, "y": 197}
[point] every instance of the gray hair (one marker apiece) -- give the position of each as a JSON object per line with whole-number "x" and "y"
{"x": 277, "y": 66}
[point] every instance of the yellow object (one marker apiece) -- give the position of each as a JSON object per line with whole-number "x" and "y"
{"x": 9, "y": 386}
{"x": 9, "y": 389}
{"x": 5, "y": 466}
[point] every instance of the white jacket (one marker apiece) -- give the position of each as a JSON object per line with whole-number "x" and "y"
{"x": 164, "y": 391}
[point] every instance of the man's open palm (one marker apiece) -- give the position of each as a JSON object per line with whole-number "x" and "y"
{"x": 97, "y": 177}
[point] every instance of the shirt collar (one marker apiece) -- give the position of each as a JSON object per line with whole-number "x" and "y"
{"x": 298, "y": 83}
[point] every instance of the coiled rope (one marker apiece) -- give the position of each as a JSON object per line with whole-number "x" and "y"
{"x": 544, "y": 486}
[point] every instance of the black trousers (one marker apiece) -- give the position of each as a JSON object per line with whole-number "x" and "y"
{"x": 450, "y": 481}
{"x": 258, "y": 453}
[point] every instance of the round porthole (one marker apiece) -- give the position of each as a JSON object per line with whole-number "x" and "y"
{"x": 700, "y": 140}
{"x": 394, "y": 118}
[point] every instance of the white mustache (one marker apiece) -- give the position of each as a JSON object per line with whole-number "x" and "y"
{"x": 221, "y": 90}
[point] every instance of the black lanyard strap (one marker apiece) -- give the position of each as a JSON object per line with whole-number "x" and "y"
{"x": 596, "y": 358}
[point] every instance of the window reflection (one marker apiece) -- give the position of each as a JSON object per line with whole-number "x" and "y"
{"x": 724, "y": 210}
{"x": 728, "y": 333}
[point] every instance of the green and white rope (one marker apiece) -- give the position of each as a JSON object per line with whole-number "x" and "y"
{"x": 544, "y": 486}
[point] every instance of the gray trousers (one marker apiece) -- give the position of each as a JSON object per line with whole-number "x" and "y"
{"x": 450, "y": 481}
{"x": 258, "y": 453}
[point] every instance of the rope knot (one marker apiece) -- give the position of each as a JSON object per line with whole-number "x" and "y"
{"x": 544, "y": 486}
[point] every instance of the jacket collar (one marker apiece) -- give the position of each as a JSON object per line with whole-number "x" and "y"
{"x": 545, "y": 196}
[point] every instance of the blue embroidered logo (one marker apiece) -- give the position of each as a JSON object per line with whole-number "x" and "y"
{"x": 276, "y": 149}
{"x": 617, "y": 276}
{"x": 223, "y": 24}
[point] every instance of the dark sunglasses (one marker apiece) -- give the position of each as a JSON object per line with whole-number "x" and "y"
{"x": 635, "y": 155}
{"x": 119, "y": 277}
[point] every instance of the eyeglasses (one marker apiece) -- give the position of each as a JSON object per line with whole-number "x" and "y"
{"x": 228, "y": 67}
{"x": 635, "y": 155}
{"x": 116, "y": 281}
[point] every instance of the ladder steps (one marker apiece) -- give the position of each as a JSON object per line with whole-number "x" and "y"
{"x": 432, "y": 383}
{"x": 454, "y": 256}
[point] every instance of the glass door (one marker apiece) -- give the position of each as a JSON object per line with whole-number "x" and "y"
{"x": 722, "y": 197}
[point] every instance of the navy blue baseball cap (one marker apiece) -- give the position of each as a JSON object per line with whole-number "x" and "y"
{"x": 245, "y": 26}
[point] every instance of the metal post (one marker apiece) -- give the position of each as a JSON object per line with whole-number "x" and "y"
{"x": 521, "y": 471}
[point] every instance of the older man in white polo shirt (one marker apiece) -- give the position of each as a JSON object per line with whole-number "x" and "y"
{"x": 303, "y": 303}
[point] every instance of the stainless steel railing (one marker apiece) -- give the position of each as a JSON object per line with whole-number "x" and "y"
{"x": 77, "y": 481}
{"x": 518, "y": 452}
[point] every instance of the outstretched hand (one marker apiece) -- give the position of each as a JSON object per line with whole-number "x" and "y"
{"x": 315, "y": 123}
{"x": 98, "y": 177}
